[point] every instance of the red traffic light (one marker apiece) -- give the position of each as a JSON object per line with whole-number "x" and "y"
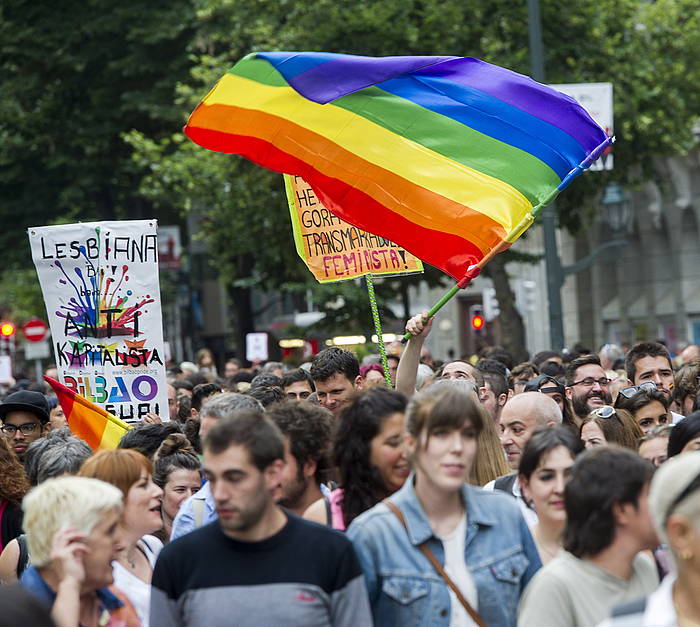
{"x": 477, "y": 321}
{"x": 7, "y": 329}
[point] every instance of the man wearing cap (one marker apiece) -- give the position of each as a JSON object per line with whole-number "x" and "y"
{"x": 24, "y": 417}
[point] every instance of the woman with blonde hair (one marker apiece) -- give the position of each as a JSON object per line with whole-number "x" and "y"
{"x": 489, "y": 463}
{"x": 131, "y": 472}
{"x": 71, "y": 526}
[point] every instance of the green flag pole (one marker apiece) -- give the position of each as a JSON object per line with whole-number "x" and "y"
{"x": 378, "y": 328}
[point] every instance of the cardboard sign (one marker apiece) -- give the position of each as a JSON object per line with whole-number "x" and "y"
{"x": 100, "y": 286}
{"x": 333, "y": 249}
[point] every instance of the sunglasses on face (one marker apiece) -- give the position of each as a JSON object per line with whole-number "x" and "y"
{"x": 27, "y": 428}
{"x": 632, "y": 390}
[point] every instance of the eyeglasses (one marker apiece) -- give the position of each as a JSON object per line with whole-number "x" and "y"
{"x": 27, "y": 428}
{"x": 606, "y": 411}
{"x": 632, "y": 390}
{"x": 589, "y": 382}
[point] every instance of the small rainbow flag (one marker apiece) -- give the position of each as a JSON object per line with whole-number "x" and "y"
{"x": 88, "y": 421}
{"x": 445, "y": 156}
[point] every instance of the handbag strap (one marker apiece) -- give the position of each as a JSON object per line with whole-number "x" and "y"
{"x": 438, "y": 567}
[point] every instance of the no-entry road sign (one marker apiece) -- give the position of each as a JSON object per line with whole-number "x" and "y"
{"x": 35, "y": 330}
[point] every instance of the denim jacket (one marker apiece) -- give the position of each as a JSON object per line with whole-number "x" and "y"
{"x": 406, "y": 591}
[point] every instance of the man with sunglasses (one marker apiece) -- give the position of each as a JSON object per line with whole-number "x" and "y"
{"x": 650, "y": 361}
{"x": 586, "y": 386}
{"x": 24, "y": 415}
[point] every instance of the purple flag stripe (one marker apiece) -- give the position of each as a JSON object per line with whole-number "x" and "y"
{"x": 524, "y": 93}
{"x": 317, "y": 78}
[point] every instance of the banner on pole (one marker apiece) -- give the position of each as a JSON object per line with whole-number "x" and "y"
{"x": 333, "y": 249}
{"x": 100, "y": 286}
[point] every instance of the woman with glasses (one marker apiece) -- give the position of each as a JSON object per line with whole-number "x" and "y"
{"x": 674, "y": 500}
{"x": 440, "y": 552}
{"x": 648, "y": 405}
{"x": 607, "y": 425}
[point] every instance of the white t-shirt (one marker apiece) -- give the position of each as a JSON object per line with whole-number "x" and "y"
{"x": 456, "y": 568}
{"x": 137, "y": 591}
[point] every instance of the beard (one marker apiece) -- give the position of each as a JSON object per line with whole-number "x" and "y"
{"x": 580, "y": 403}
{"x": 293, "y": 492}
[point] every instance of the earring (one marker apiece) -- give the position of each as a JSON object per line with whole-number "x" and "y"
{"x": 686, "y": 554}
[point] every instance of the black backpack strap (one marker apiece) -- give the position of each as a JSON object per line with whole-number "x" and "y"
{"x": 505, "y": 483}
{"x": 23, "y": 560}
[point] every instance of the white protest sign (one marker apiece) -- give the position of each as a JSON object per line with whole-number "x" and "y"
{"x": 100, "y": 286}
{"x": 6, "y": 369}
{"x": 597, "y": 99}
{"x": 256, "y": 346}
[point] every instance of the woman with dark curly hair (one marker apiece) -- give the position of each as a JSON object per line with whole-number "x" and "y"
{"x": 369, "y": 455}
{"x": 13, "y": 486}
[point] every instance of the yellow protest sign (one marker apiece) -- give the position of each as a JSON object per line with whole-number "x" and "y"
{"x": 333, "y": 249}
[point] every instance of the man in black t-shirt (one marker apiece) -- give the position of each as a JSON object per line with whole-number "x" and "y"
{"x": 257, "y": 564}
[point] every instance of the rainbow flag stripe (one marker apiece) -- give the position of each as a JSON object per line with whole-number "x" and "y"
{"x": 442, "y": 155}
{"x": 87, "y": 421}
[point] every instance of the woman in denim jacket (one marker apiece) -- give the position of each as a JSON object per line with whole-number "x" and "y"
{"x": 479, "y": 537}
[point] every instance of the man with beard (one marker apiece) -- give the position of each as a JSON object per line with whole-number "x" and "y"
{"x": 307, "y": 431}
{"x": 257, "y": 564}
{"x": 586, "y": 386}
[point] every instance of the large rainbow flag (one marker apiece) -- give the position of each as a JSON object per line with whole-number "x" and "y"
{"x": 88, "y": 421}
{"x": 446, "y": 156}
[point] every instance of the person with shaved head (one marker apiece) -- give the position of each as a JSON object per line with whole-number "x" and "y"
{"x": 521, "y": 416}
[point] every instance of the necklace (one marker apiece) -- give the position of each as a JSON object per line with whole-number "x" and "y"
{"x": 131, "y": 561}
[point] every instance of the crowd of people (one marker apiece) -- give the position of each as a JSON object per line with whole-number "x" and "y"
{"x": 561, "y": 491}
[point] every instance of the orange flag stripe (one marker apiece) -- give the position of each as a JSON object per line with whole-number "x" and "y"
{"x": 87, "y": 421}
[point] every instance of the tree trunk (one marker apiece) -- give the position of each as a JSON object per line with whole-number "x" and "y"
{"x": 242, "y": 302}
{"x": 513, "y": 330}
